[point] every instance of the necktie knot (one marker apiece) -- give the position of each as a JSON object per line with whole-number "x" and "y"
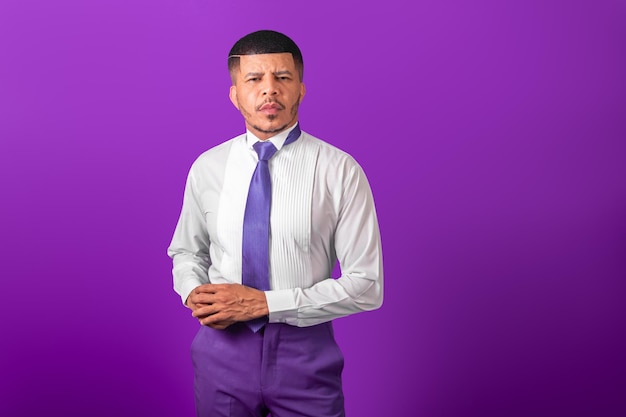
{"x": 265, "y": 150}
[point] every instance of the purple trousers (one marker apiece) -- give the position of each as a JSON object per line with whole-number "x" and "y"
{"x": 282, "y": 371}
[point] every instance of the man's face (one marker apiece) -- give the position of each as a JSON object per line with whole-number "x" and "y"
{"x": 267, "y": 91}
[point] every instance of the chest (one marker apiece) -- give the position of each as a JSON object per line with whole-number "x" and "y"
{"x": 293, "y": 183}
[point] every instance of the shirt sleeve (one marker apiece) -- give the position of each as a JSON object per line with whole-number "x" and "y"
{"x": 358, "y": 247}
{"x": 189, "y": 248}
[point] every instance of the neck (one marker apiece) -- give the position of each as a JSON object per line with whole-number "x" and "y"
{"x": 266, "y": 134}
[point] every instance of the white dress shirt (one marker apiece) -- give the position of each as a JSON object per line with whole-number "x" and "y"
{"x": 322, "y": 211}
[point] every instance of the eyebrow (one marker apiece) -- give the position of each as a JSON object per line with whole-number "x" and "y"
{"x": 260, "y": 74}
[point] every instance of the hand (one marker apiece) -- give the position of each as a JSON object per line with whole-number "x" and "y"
{"x": 220, "y": 305}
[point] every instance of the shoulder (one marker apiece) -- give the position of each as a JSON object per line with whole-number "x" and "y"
{"x": 208, "y": 169}
{"x": 329, "y": 153}
{"x": 215, "y": 156}
{"x": 332, "y": 159}
{"x": 218, "y": 152}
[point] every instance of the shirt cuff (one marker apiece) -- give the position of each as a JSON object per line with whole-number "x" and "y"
{"x": 281, "y": 305}
{"x": 187, "y": 287}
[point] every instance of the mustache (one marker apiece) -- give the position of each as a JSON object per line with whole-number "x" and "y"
{"x": 282, "y": 106}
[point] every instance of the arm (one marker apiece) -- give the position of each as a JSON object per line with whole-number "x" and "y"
{"x": 214, "y": 305}
{"x": 190, "y": 244}
{"x": 358, "y": 248}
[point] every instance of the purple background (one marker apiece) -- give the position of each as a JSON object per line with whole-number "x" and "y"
{"x": 494, "y": 137}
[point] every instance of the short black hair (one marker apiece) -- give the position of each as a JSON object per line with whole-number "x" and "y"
{"x": 265, "y": 42}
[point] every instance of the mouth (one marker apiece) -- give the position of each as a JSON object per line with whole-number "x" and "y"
{"x": 271, "y": 107}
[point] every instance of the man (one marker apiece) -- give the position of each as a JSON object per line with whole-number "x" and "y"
{"x": 265, "y": 217}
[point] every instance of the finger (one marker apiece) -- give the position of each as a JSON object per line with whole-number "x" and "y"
{"x": 220, "y": 325}
{"x": 205, "y": 310}
{"x": 194, "y": 306}
{"x": 210, "y": 288}
{"x": 214, "y": 319}
{"x": 204, "y": 298}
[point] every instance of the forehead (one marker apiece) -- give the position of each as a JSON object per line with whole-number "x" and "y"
{"x": 267, "y": 62}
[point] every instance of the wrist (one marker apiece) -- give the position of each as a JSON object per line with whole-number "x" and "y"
{"x": 260, "y": 305}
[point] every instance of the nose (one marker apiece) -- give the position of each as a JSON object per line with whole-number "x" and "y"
{"x": 270, "y": 87}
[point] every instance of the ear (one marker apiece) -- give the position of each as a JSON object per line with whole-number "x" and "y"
{"x": 302, "y": 91}
{"x": 233, "y": 96}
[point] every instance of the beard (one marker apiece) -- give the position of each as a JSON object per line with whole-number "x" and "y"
{"x": 293, "y": 112}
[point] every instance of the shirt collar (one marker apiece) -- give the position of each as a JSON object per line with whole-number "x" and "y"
{"x": 278, "y": 140}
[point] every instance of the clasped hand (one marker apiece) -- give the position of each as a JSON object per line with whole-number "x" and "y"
{"x": 220, "y": 305}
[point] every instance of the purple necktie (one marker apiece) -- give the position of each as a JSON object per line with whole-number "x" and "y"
{"x": 255, "y": 269}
